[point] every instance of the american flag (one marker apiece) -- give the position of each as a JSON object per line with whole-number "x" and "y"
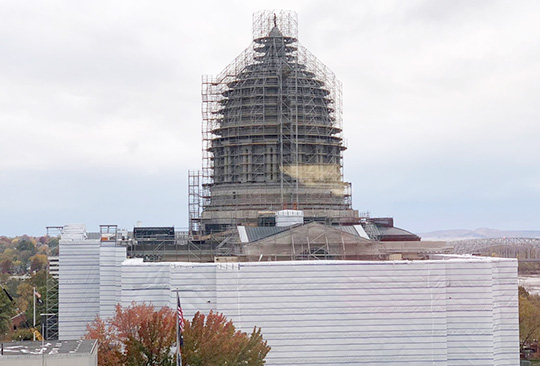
{"x": 38, "y": 296}
{"x": 179, "y": 331}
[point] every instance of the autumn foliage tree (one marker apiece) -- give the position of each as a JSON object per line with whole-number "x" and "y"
{"x": 6, "y": 311}
{"x": 136, "y": 335}
{"x": 529, "y": 317}
{"x": 144, "y": 335}
{"x": 213, "y": 341}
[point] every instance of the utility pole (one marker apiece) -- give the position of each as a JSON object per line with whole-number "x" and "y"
{"x": 43, "y": 336}
{"x": 34, "y": 298}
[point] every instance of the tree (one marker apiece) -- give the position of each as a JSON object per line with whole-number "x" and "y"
{"x": 110, "y": 349}
{"x": 26, "y": 243}
{"x": 24, "y": 296}
{"x": 142, "y": 335}
{"x": 529, "y": 317}
{"x": 6, "y": 312}
{"x": 53, "y": 242}
{"x": 6, "y": 266}
{"x": 136, "y": 335}
{"x": 214, "y": 341}
{"x": 9, "y": 253}
{"x": 152, "y": 343}
{"x": 38, "y": 262}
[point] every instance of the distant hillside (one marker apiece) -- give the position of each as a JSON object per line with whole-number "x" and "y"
{"x": 482, "y": 233}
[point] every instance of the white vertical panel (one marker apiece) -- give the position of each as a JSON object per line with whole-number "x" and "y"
{"x": 469, "y": 312}
{"x": 110, "y": 264}
{"x": 505, "y": 312}
{"x": 89, "y": 281}
{"x": 196, "y": 283}
{"x": 145, "y": 282}
{"x": 78, "y": 285}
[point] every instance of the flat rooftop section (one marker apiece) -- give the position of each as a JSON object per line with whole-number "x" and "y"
{"x": 433, "y": 259}
{"x": 80, "y": 347}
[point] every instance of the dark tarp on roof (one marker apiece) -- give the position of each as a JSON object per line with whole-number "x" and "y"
{"x": 261, "y": 232}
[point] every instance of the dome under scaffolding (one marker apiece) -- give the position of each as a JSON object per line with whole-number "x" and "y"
{"x": 272, "y": 135}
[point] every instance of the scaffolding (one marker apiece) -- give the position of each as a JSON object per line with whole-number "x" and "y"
{"x": 272, "y": 127}
{"x": 194, "y": 202}
{"x": 50, "y": 328}
{"x": 108, "y": 233}
{"x": 313, "y": 241}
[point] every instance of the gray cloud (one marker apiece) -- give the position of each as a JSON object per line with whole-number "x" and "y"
{"x": 100, "y": 107}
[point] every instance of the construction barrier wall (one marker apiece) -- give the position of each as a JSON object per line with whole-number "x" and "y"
{"x": 452, "y": 310}
{"x": 89, "y": 281}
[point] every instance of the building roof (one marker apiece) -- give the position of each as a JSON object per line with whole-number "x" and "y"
{"x": 348, "y": 229}
{"x": 256, "y": 233}
{"x": 319, "y": 241}
{"x": 260, "y": 232}
{"x": 81, "y": 346}
{"x": 396, "y": 234}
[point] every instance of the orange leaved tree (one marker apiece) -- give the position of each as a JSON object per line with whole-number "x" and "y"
{"x": 144, "y": 335}
{"x": 136, "y": 335}
{"x": 213, "y": 341}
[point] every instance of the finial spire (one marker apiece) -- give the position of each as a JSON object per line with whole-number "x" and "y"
{"x": 275, "y": 20}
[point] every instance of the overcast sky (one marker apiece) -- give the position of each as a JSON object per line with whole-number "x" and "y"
{"x": 100, "y": 107}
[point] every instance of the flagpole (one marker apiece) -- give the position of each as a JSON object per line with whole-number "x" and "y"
{"x": 178, "y": 359}
{"x": 178, "y": 330}
{"x": 34, "y": 297}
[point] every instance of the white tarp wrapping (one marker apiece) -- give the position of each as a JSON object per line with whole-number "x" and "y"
{"x": 78, "y": 286}
{"x": 450, "y": 311}
{"x": 88, "y": 282}
{"x": 110, "y": 265}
